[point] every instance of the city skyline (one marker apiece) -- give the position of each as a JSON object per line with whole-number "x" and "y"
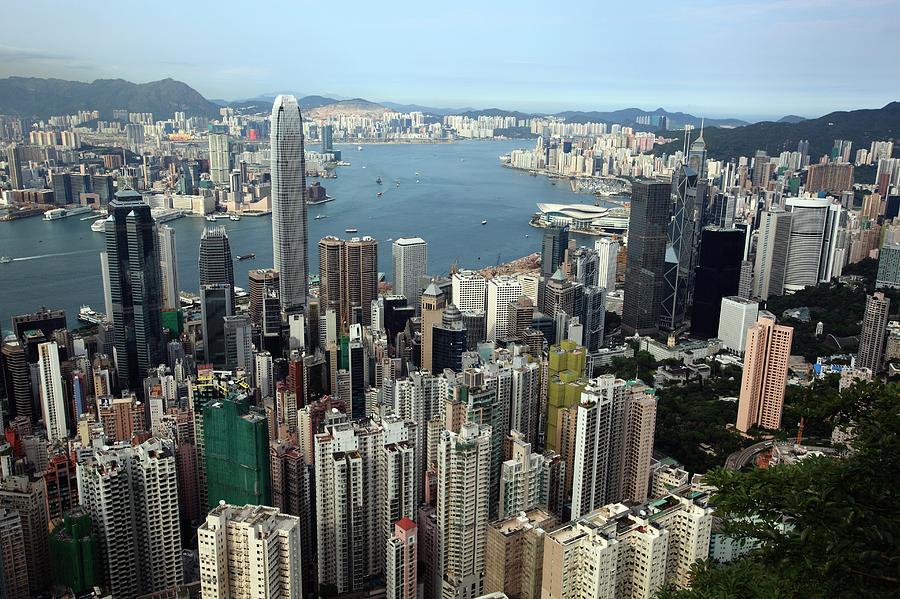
{"x": 499, "y": 67}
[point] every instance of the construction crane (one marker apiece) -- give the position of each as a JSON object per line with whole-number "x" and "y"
{"x": 799, "y": 438}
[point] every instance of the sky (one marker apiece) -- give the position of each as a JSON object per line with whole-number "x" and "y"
{"x": 750, "y": 59}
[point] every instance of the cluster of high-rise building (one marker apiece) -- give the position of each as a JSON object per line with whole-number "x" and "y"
{"x": 452, "y": 436}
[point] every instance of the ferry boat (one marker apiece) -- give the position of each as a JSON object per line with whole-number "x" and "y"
{"x": 234, "y": 217}
{"x": 351, "y": 230}
{"x": 250, "y": 256}
{"x": 88, "y": 315}
{"x": 98, "y": 226}
{"x": 210, "y": 218}
{"x": 5, "y": 259}
{"x": 55, "y": 214}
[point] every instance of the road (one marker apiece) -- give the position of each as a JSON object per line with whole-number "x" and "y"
{"x": 739, "y": 459}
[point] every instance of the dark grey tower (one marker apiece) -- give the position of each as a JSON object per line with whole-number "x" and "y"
{"x": 216, "y": 266}
{"x": 135, "y": 284}
{"x": 647, "y": 223}
{"x": 553, "y": 251}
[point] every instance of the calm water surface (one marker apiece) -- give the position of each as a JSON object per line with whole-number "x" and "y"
{"x": 459, "y": 185}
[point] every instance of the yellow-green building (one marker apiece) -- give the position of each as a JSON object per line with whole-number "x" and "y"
{"x": 566, "y": 382}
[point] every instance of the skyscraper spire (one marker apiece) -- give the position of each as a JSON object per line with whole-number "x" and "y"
{"x": 290, "y": 232}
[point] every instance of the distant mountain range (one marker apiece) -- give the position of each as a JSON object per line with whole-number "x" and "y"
{"x": 41, "y": 98}
{"x": 862, "y": 127}
{"x": 32, "y": 97}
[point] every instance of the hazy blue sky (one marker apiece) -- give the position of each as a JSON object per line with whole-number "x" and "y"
{"x": 751, "y": 58}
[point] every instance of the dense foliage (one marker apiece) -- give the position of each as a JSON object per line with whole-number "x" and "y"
{"x": 826, "y": 527}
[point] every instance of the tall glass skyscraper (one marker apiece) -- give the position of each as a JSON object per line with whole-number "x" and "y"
{"x": 289, "y": 225}
{"x": 135, "y": 284}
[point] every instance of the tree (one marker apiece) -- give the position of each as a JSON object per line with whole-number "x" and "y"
{"x": 825, "y": 527}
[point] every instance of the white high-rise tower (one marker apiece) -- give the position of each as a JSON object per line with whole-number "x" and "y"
{"x": 53, "y": 401}
{"x": 410, "y": 256}
{"x": 290, "y": 232}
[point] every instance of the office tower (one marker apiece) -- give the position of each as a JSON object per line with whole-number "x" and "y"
{"x": 469, "y": 290}
{"x": 831, "y": 178}
{"x": 121, "y": 418}
{"x": 264, "y": 374}
{"x": 168, "y": 260}
{"x": 364, "y": 483}
{"x": 135, "y": 283}
{"x": 475, "y": 323}
{"x": 53, "y": 400}
{"x": 27, "y": 497}
{"x": 873, "y": 336}
{"x": 17, "y": 380}
{"x": 521, "y": 313}
{"x": 236, "y": 440}
{"x": 515, "y": 554}
{"x": 771, "y": 253}
{"x": 650, "y": 203}
{"x": 607, "y": 254}
{"x": 410, "y": 258}
{"x": 448, "y": 342}
{"x": 290, "y": 234}
{"x": 45, "y": 320}
{"x": 327, "y": 138}
{"x": 265, "y": 305}
{"x": 14, "y": 165}
{"x": 688, "y": 197}
{"x": 131, "y": 494}
{"x": 736, "y": 316}
{"x": 763, "y": 167}
{"x": 238, "y": 343}
{"x": 888, "y": 266}
{"x": 401, "y": 561}
{"x": 813, "y": 240}
{"x": 13, "y": 565}
{"x": 593, "y": 317}
{"x": 526, "y": 479}
{"x": 433, "y": 303}
{"x": 584, "y": 266}
{"x": 717, "y": 275}
{"x": 553, "y": 249}
{"x": 219, "y": 158}
{"x": 766, "y": 358}
{"x": 559, "y": 296}
{"x": 462, "y": 510}
{"x": 73, "y": 562}
{"x": 215, "y": 264}
{"x": 250, "y": 551}
{"x": 502, "y": 290}
{"x": 216, "y": 302}
{"x": 348, "y": 278}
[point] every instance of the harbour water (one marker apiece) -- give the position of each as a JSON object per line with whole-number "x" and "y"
{"x": 458, "y": 185}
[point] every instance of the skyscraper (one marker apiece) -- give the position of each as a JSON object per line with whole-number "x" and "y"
{"x": 717, "y": 275}
{"x": 53, "y": 400}
{"x": 28, "y": 497}
{"x": 219, "y": 157}
{"x": 644, "y": 282}
{"x": 290, "y": 234}
{"x": 553, "y": 250}
{"x": 410, "y": 257}
{"x": 14, "y": 164}
{"x": 131, "y": 494}
{"x": 216, "y": 302}
{"x": 168, "y": 260}
{"x": 238, "y": 343}
{"x": 348, "y": 278}
{"x": 13, "y": 565}
{"x": 607, "y": 254}
{"x": 215, "y": 264}
{"x": 135, "y": 284}
{"x": 17, "y": 379}
{"x": 874, "y": 332}
{"x": 401, "y": 561}
{"x": 771, "y": 253}
{"x": 448, "y": 342}
{"x": 688, "y": 194}
{"x": 593, "y": 316}
{"x": 469, "y": 289}
{"x": 765, "y": 374}
{"x": 252, "y": 551}
{"x": 464, "y": 466}
{"x": 736, "y": 316}
{"x": 502, "y": 290}
{"x": 433, "y": 303}
{"x": 813, "y": 240}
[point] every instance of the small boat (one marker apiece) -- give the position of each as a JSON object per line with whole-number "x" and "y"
{"x": 351, "y": 230}
{"x": 389, "y": 239}
{"x": 234, "y": 217}
{"x": 321, "y": 216}
{"x": 484, "y": 222}
{"x": 210, "y": 218}
{"x": 417, "y": 180}
{"x": 417, "y": 173}
{"x": 397, "y": 183}
{"x": 364, "y": 166}
{"x": 378, "y": 180}
{"x": 378, "y": 195}
{"x": 249, "y": 256}
{"x": 526, "y": 235}
{"x": 5, "y": 259}
{"x": 359, "y": 149}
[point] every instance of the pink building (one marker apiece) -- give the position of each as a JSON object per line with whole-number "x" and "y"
{"x": 400, "y": 561}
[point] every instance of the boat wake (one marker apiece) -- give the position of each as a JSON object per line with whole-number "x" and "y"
{"x": 56, "y": 255}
